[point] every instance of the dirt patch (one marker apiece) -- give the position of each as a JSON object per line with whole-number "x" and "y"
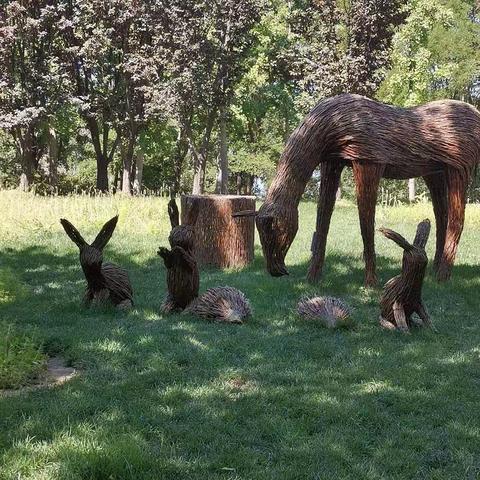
{"x": 57, "y": 373}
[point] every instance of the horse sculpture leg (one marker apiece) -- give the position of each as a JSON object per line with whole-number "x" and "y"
{"x": 457, "y": 189}
{"x": 437, "y": 184}
{"x": 330, "y": 173}
{"x": 367, "y": 178}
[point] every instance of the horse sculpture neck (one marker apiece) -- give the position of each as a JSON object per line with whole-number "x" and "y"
{"x": 306, "y": 149}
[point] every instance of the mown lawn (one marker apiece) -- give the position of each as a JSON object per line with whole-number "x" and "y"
{"x": 278, "y": 398}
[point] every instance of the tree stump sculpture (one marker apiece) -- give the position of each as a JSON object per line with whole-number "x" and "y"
{"x": 439, "y": 141}
{"x": 183, "y": 278}
{"x": 402, "y": 295}
{"x": 221, "y": 241}
{"x": 105, "y": 281}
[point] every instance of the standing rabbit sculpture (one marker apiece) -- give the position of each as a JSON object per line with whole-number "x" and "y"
{"x": 105, "y": 281}
{"x": 183, "y": 277}
{"x": 221, "y": 304}
{"x": 402, "y": 295}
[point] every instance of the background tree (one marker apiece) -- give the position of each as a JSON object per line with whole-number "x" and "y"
{"x": 32, "y": 82}
{"x": 203, "y": 52}
{"x": 340, "y": 46}
{"x": 169, "y": 95}
{"x": 435, "y": 54}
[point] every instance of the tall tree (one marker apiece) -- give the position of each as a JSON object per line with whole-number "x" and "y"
{"x": 32, "y": 82}
{"x": 203, "y": 46}
{"x": 435, "y": 54}
{"x": 341, "y": 46}
{"x": 92, "y": 63}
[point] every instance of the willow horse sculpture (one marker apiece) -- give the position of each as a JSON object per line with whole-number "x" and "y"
{"x": 439, "y": 141}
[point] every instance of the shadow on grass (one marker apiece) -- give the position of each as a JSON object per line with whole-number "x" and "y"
{"x": 175, "y": 397}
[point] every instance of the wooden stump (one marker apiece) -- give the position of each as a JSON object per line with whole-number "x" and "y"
{"x": 220, "y": 240}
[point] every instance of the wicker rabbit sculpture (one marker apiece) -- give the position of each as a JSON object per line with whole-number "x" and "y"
{"x": 402, "y": 295}
{"x": 183, "y": 278}
{"x": 105, "y": 281}
{"x": 221, "y": 304}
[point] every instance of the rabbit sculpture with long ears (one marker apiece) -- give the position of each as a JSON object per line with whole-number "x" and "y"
{"x": 183, "y": 278}
{"x": 105, "y": 281}
{"x": 402, "y": 295}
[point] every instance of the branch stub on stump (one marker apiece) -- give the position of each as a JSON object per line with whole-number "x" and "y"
{"x": 220, "y": 240}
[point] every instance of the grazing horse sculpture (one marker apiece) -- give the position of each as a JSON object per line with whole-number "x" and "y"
{"x": 439, "y": 141}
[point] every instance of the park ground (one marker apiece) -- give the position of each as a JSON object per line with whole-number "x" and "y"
{"x": 277, "y": 398}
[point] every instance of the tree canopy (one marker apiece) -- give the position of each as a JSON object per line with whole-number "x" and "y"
{"x": 186, "y": 95}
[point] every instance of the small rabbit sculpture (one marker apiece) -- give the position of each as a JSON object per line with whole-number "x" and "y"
{"x": 105, "y": 281}
{"x": 183, "y": 278}
{"x": 402, "y": 295}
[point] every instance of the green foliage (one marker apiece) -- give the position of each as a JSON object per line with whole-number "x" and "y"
{"x": 21, "y": 358}
{"x": 8, "y": 166}
{"x": 158, "y": 142}
{"x": 435, "y": 54}
{"x": 153, "y": 77}
{"x": 412, "y": 76}
{"x": 80, "y": 179}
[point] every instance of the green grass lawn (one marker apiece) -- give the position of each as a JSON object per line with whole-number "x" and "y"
{"x": 277, "y": 398}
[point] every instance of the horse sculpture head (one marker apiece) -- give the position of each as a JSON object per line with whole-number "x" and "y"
{"x": 277, "y": 226}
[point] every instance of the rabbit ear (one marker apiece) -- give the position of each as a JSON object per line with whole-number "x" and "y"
{"x": 105, "y": 233}
{"x": 423, "y": 231}
{"x": 73, "y": 233}
{"x": 397, "y": 238}
{"x": 173, "y": 213}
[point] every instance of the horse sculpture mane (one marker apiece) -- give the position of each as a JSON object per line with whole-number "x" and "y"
{"x": 439, "y": 141}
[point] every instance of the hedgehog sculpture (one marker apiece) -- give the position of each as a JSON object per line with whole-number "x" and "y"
{"x": 221, "y": 304}
{"x": 105, "y": 281}
{"x": 183, "y": 278}
{"x": 331, "y": 311}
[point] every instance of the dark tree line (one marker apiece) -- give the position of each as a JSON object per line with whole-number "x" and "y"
{"x": 193, "y": 95}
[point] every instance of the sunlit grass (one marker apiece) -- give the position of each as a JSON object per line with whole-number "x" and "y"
{"x": 21, "y": 357}
{"x": 278, "y": 398}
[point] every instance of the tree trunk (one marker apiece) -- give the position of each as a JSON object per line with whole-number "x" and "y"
{"x": 137, "y": 184}
{"x": 102, "y": 174}
{"x": 27, "y": 155}
{"x": 102, "y": 155}
{"x": 115, "y": 181}
{"x": 127, "y": 156}
{"x": 251, "y": 180}
{"x": 223, "y": 154}
{"x": 221, "y": 240}
{"x": 200, "y": 156}
{"x": 180, "y": 153}
{"x": 239, "y": 183}
{"x": 411, "y": 190}
{"x": 52, "y": 156}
